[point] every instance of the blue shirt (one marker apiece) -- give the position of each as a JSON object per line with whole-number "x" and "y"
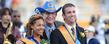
{"x": 49, "y": 29}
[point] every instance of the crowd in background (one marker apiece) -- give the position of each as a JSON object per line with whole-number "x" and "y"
{"x": 42, "y": 24}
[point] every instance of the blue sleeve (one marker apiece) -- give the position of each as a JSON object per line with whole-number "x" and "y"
{"x": 93, "y": 41}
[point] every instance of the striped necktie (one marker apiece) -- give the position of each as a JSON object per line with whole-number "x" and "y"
{"x": 74, "y": 33}
{"x": 75, "y": 36}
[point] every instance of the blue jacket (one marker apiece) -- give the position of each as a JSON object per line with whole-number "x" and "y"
{"x": 93, "y": 41}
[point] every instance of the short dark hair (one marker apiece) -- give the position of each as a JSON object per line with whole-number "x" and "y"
{"x": 14, "y": 12}
{"x": 4, "y": 10}
{"x": 67, "y": 5}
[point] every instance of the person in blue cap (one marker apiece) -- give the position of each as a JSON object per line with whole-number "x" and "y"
{"x": 49, "y": 12}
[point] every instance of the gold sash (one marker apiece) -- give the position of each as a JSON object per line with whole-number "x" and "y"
{"x": 27, "y": 41}
{"x": 66, "y": 35}
{"x": 8, "y": 32}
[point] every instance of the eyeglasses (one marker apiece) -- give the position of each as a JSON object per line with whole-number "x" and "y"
{"x": 16, "y": 16}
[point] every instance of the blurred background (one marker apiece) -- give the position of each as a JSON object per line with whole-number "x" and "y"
{"x": 85, "y": 9}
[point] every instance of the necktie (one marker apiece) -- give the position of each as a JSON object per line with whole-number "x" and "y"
{"x": 50, "y": 30}
{"x": 74, "y": 33}
{"x": 49, "y": 33}
{"x": 75, "y": 36}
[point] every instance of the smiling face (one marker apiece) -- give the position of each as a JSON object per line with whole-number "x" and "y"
{"x": 49, "y": 18}
{"x": 6, "y": 18}
{"x": 38, "y": 27}
{"x": 70, "y": 15}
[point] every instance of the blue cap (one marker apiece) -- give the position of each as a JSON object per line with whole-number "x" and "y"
{"x": 49, "y": 6}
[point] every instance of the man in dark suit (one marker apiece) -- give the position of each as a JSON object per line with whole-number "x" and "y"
{"x": 70, "y": 32}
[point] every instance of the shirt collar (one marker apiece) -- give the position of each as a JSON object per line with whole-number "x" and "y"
{"x": 69, "y": 27}
{"x": 50, "y": 27}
